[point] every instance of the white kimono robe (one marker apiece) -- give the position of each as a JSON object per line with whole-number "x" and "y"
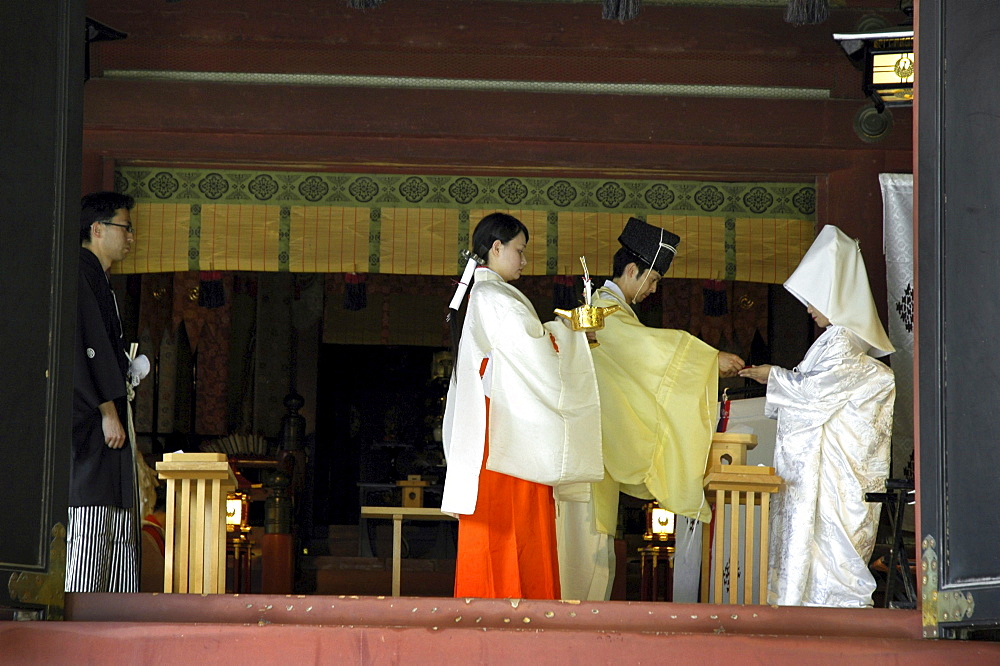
{"x": 834, "y": 425}
{"x": 545, "y": 421}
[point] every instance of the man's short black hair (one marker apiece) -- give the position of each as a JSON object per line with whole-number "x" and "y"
{"x": 101, "y": 207}
{"x": 624, "y": 257}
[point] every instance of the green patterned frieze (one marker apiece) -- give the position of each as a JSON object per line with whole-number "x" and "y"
{"x": 285, "y": 188}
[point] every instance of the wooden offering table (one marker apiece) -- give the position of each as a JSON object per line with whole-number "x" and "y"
{"x": 398, "y": 513}
{"x": 195, "y": 557}
{"x": 747, "y": 486}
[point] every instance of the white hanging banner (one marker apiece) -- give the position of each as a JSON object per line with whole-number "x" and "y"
{"x": 897, "y": 226}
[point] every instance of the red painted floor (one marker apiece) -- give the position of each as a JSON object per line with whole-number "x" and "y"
{"x": 216, "y": 629}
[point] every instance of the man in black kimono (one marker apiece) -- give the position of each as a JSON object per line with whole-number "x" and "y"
{"x": 102, "y": 552}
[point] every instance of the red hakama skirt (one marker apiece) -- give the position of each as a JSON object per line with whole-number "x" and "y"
{"x": 507, "y": 548}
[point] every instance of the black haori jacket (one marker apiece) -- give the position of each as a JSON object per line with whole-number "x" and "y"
{"x": 99, "y": 476}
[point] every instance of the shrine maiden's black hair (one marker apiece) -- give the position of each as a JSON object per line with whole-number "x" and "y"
{"x": 494, "y": 227}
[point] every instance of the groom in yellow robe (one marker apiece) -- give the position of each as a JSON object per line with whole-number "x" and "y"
{"x": 658, "y": 392}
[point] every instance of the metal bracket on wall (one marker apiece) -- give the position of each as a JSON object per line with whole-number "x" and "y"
{"x": 929, "y": 591}
{"x": 938, "y": 606}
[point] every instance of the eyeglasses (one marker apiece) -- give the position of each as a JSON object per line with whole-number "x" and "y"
{"x": 127, "y": 227}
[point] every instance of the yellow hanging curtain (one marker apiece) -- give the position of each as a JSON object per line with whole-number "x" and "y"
{"x": 199, "y": 220}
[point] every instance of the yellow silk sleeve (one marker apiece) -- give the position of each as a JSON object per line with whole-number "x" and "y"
{"x": 658, "y": 391}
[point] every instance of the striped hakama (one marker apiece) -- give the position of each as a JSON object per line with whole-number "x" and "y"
{"x": 102, "y": 552}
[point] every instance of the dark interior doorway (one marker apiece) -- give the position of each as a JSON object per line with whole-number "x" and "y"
{"x": 378, "y": 408}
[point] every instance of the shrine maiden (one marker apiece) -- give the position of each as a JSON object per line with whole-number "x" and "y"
{"x": 522, "y": 416}
{"x": 834, "y": 416}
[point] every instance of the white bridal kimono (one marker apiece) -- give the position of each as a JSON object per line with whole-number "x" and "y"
{"x": 834, "y": 426}
{"x": 834, "y": 416}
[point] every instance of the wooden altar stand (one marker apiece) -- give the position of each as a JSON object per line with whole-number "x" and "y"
{"x": 730, "y": 482}
{"x": 397, "y": 514}
{"x": 195, "y": 556}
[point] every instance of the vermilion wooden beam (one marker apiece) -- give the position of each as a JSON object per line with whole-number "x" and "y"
{"x": 492, "y": 40}
{"x": 376, "y": 112}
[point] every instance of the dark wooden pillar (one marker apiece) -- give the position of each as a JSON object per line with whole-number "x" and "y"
{"x": 958, "y": 315}
{"x": 41, "y": 75}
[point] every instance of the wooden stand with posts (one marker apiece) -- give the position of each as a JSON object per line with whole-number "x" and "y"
{"x": 747, "y": 486}
{"x": 195, "y": 557}
{"x": 398, "y": 514}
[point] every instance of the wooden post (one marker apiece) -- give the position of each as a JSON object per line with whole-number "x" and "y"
{"x": 718, "y": 541}
{"x": 195, "y": 558}
{"x": 765, "y": 503}
{"x": 706, "y": 563}
{"x": 397, "y": 541}
{"x": 748, "y": 549}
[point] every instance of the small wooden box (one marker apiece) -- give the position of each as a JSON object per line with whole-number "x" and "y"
{"x": 413, "y": 490}
{"x": 730, "y": 448}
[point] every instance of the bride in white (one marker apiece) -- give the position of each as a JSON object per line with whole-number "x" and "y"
{"x": 834, "y": 416}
